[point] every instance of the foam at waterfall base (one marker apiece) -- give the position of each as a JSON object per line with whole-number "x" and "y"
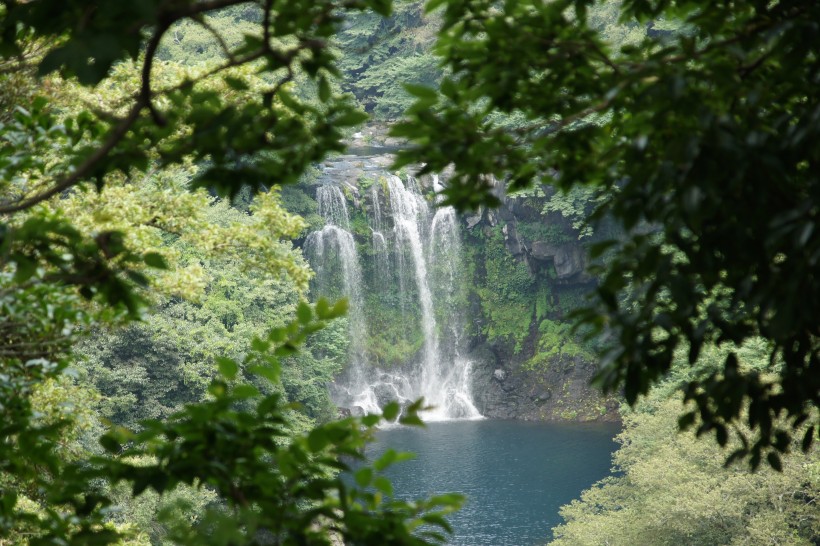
{"x": 446, "y": 399}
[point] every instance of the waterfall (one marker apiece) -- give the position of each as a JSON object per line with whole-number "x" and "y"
{"x": 332, "y": 206}
{"x": 408, "y": 209}
{"x": 445, "y": 260}
{"x": 381, "y": 253}
{"x": 427, "y": 253}
{"x": 334, "y": 243}
{"x": 445, "y": 254}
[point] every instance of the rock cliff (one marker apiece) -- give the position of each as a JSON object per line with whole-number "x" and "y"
{"x": 524, "y": 271}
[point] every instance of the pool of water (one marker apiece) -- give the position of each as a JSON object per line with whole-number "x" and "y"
{"x": 515, "y": 474}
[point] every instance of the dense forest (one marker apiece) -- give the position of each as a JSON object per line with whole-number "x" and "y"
{"x": 238, "y": 237}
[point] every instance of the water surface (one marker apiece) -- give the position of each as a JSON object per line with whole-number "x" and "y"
{"x": 515, "y": 474}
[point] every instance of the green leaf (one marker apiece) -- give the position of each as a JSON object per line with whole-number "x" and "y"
{"x": 271, "y": 373}
{"x": 228, "y": 368}
{"x": 318, "y": 440}
{"x": 304, "y": 313}
{"x": 322, "y": 309}
{"x": 26, "y": 268}
{"x": 774, "y": 461}
{"x": 686, "y": 420}
{"x": 391, "y": 411}
{"x": 8, "y": 501}
{"x": 411, "y": 420}
{"x": 260, "y": 345}
{"x": 155, "y": 260}
{"x": 437, "y": 520}
{"x": 383, "y": 484}
{"x": 236, "y": 83}
{"x": 721, "y": 435}
{"x": 138, "y": 278}
{"x": 217, "y": 389}
{"x": 324, "y": 89}
{"x": 110, "y": 444}
{"x": 350, "y": 118}
{"x": 808, "y": 438}
{"x": 421, "y": 91}
{"x": 382, "y": 7}
{"x": 245, "y": 392}
{"x": 290, "y": 101}
{"x": 390, "y": 457}
{"x": 363, "y": 476}
{"x": 339, "y": 309}
{"x": 371, "y": 419}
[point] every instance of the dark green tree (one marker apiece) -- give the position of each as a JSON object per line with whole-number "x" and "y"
{"x": 381, "y": 54}
{"x": 703, "y": 133}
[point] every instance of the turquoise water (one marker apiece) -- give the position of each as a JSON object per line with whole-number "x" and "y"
{"x": 515, "y": 474}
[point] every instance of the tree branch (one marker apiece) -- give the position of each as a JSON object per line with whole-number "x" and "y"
{"x": 144, "y": 100}
{"x": 147, "y": 65}
{"x": 114, "y": 138}
{"x": 200, "y": 20}
{"x": 266, "y": 24}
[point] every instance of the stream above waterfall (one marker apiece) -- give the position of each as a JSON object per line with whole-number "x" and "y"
{"x": 515, "y": 474}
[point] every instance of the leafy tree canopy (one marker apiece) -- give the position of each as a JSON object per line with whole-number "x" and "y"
{"x": 702, "y": 133}
{"x": 114, "y": 112}
{"x": 672, "y": 488}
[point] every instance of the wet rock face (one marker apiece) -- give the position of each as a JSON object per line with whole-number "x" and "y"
{"x": 569, "y": 260}
{"x": 503, "y": 385}
{"x": 561, "y": 393}
{"x": 541, "y": 250}
{"x": 472, "y": 221}
{"x": 511, "y": 240}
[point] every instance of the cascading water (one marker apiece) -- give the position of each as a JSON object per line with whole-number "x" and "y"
{"x": 381, "y": 252}
{"x": 445, "y": 260}
{"x": 333, "y": 245}
{"x": 332, "y": 206}
{"x": 426, "y": 250}
{"x": 409, "y": 209}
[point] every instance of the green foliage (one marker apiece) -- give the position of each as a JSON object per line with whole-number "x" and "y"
{"x": 267, "y": 479}
{"x": 297, "y": 201}
{"x": 151, "y": 369}
{"x": 543, "y": 302}
{"x": 506, "y": 321}
{"x": 700, "y": 137}
{"x": 359, "y": 225}
{"x": 380, "y": 55}
{"x": 397, "y": 340}
{"x": 505, "y": 293}
{"x": 541, "y": 231}
{"x": 672, "y": 488}
{"x": 193, "y": 42}
{"x": 571, "y": 298}
{"x": 556, "y": 342}
{"x": 238, "y": 117}
{"x": 366, "y": 181}
{"x": 575, "y": 205}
